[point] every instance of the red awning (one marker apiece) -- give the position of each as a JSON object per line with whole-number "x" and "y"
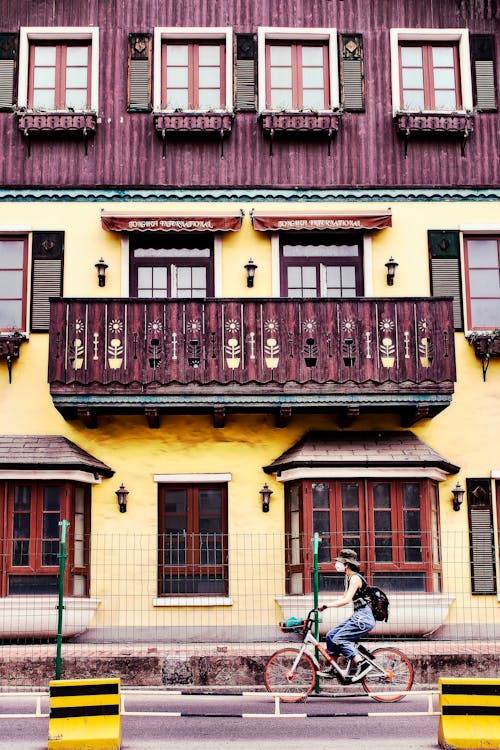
{"x": 267, "y": 222}
{"x": 114, "y": 222}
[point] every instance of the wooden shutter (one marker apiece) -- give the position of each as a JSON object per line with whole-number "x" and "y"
{"x": 46, "y": 276}
{"x": 8, "y": 65}
{"x": 483, "y": 72}
{"x": 445, "y": 270}
{"x": 352, "y": 79}
{"x": 245, "y": 72}
{"x": 482, "y": 548}
{"x": 139, "y": 73}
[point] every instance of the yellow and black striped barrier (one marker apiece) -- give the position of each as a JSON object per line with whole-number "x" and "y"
{"x": 85, "y": 714}
{"x": 469, "y": 713}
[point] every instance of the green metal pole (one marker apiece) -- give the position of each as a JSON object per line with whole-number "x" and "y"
{"x": 316, "y": 541}
{"x": 62, "y": 563}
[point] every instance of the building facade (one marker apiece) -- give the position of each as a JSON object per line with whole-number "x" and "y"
{"x": 249, "y": 290}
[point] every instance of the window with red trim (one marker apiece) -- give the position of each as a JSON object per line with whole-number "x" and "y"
{"x": 59, "y": 76}
{"x": 192, "y": 544}
{"x": 392, "y": 524}
{"x": 193, "y": 75}
{"x": 13, "y": 282}
{"x": 429, "y": 76}
{"x": 297, "y": 76}
{"x": 482, "y": 268}
{"x": 29, "y": 550}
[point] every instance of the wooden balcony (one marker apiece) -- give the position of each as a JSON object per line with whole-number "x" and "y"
{"x": 340, "y": 356}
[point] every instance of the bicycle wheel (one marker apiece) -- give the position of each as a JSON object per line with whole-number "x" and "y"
{"x": 398, "y": 676}
{"x": 279, "y": 678}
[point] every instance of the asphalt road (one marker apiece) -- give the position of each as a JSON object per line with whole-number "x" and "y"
{"x": 218, "y": 722}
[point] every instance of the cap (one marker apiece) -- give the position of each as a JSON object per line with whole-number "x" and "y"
{"x": 349, "y": 557}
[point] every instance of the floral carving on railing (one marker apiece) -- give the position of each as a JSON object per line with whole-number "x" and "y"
{"x": 32, "y": 123}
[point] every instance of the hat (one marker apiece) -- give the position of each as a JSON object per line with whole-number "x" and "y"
{"x": 349, "y": 557}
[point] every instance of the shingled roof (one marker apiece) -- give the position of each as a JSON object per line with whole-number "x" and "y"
{"x": 360, "y": 449}
{"x": 25, "y": 452}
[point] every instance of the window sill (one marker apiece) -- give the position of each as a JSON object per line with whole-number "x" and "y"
{"x": 49, "y": 123}
{"x": 453, "y": 124}
{"x": 193, "y": 601}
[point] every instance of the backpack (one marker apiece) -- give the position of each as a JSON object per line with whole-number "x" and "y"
{"x": 378, "y": 600}
{"x": 379, "y": 603}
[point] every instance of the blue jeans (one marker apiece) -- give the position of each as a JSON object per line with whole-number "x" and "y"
{"x": 340, "y": 639}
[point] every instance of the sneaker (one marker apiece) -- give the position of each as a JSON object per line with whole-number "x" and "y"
{"x": 329, "y": 672}
{"x": 358, "y": 669}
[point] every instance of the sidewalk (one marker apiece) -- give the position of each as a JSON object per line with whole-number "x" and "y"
{"x": 211, "y": 665}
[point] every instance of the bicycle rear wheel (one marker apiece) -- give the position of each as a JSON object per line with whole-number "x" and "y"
{"x": 398, "y": 676}
{"x": 290, "y": 684}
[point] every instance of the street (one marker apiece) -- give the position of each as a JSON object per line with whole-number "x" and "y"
{"x": 252, "y": 723}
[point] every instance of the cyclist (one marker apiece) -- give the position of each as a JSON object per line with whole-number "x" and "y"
{"x": 340, "y": 640}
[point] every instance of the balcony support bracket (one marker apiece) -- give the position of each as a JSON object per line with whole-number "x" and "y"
{"x": 219, "y": 416}
{"x": 283, "y": 416}
{"x": 410, "y": 416}
{"x": 152, "y": 417}
{"x": 347, "y": 415}
{"x": 87, "y": 416}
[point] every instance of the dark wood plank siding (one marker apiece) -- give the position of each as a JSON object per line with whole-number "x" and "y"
{"x": 367, "y": 152}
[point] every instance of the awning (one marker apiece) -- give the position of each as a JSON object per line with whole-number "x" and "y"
{"x": 42, "y": 453}
{"x": 265, "y": 221}
{"x": 170, "y": 222}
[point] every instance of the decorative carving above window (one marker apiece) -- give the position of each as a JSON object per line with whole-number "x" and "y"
{"x": 300, "y": 122}
{"x": 9, "y": 348}
{"x": 452, "y": 125}
{"x": 34, "y": 123}
{"x": 193, "y": 122}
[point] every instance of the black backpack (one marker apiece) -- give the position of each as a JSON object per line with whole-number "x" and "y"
{"x": 378, "y": 600}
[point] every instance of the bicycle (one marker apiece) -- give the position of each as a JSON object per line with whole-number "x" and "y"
{"x": 293, "y": 672}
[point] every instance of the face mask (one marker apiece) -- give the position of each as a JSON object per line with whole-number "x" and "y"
{"x": 339, "y": 567}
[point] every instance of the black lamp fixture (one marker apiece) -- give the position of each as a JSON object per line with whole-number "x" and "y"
{"x": 458, "y": 496}
{"x": 121, "y": 493}
{"x": 391, "y": 266}
{"x": 101, "y": 272}
{"x": 250, "y": 267}
{"x": 266, "y": 496}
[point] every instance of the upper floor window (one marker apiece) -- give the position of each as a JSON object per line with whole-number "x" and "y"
{"x": 58, "y": 68}
{"x": 193, "y": 69}
{"x": 482, "y": 282}
{"x": 430, "y": 76}
{"x": 13, "y": 282}
{"x": 297, "y": 69}
{"x": 59, "y": 76}
{"x": 316, "y": 265}
{"x": 162, "y": 265}
{"x": 430, "y": 70}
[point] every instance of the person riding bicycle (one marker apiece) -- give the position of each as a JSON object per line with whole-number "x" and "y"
{"x": 341, "y": 639}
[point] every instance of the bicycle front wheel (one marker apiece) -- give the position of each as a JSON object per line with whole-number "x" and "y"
{"x": 398, "y": 676}
{"x": 289, "y": 682}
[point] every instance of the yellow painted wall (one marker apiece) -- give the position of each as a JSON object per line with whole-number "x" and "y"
{"x": 466, "y": 433}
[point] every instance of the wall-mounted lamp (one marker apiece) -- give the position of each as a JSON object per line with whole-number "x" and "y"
{"x": 121, "y": 494}
{"x": 266, "y": 496}
{"x": 250, "y": 269}
{"x": 458, "y": 496}
{"x": 391, "y": 266}
{"x": 101, "y": 272}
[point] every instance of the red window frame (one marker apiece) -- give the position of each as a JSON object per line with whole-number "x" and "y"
{"x": 188, "y": 542}
{"x": 362, "y": 536}
{"x": 193, "y": 87}
{"x": 60, "y": 71}
{"x": 24, "y": 270}
{"x": 34, "y": 541}
{"x": 428, "y": 73}
{"x": 468, "y": 268}
{"x": 297, "y": 72}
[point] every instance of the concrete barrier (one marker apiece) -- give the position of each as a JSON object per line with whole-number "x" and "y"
{"x": 84, "y": 714}
{"x": 469, "y": 713}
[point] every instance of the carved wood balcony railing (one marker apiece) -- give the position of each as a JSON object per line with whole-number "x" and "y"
{"x": 339, "y": 355}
